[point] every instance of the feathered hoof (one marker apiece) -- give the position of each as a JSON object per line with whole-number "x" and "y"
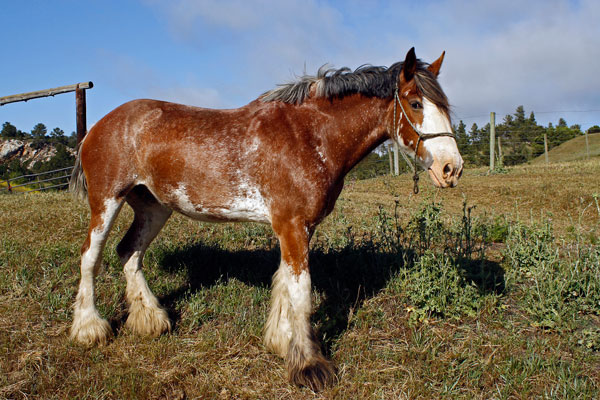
{"x": 91, "y": 331}
{"x": 317, "y": 373}
{"x": 147, "y": 321}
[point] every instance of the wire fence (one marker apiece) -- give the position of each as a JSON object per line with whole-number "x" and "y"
{"x": 507, "y": 152}
{"x": 38, "y": 182}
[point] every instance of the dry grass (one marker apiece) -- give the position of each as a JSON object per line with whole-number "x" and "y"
{"x": 572, "y": 150}
{"x": 214, "y": 281}
{"x": 564, "y": 192}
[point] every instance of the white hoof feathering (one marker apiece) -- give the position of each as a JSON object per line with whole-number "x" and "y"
{"x": 278, "y": 328}
{"x": 147, "y": 320}
{"x": 90, "y": 329}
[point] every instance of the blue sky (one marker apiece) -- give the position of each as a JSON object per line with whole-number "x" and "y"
{"x": 542, "y": 54}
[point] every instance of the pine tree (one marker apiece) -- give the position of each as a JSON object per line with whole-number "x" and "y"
{"x": 39, "y": 136}
{"x": 39, "y": 131}
{"x": 9, "y": 131}
{"x": 58, "y": 136}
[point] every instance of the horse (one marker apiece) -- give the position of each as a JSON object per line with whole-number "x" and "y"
{"x": 279, "y": 160}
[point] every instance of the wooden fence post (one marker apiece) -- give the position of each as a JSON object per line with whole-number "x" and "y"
{"x": 492, "y": 138}
{"x": 9, "y": 188}
{"x": 500, "y": 156}
{"x": 80, "y": 107}
{"x": 546, "y": 147}
{"x": 396, "y": 161}
{"x": 80, "y": 113}
{"x": 390, "y": 158}
{"x": 587, "y": 146}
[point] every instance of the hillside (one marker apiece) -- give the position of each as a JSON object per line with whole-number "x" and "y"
{"x": 572, "y": 150}
{"x": 27, "y": 152}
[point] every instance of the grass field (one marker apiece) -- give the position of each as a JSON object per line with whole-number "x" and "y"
{"x": 489, "y": 290}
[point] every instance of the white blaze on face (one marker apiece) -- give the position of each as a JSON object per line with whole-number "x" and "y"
{"x": 443, "y": 147}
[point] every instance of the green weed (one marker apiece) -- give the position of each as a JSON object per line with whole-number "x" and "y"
{"x": 558, "y": 282}
{"x": 444, "y": 273}
{"x": 435, "y": 286}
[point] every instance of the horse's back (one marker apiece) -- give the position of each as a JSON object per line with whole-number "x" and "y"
{"x": 192, "y": 159}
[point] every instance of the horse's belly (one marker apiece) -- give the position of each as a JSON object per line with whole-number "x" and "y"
{"x": 248, "y": 206}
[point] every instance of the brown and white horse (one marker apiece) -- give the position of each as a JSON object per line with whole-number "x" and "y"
{"x": 279, "y": 160}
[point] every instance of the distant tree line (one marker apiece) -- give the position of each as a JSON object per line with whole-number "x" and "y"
{"x": 521, "y": 138}
{"x": 39, "y": 138}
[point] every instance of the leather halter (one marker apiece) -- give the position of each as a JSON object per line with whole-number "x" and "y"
{"x": 422, "y": 136}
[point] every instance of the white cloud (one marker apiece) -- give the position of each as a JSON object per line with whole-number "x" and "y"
{"x": 201, "y": 97}
{"x": 544, "y": 54}
{"x": 265, "y": 38}
{"x": 132, "y": 79}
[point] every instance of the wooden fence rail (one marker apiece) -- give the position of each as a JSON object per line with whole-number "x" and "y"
{"x": 80, "y": 115}
{"x": 44, "y": 93}
{"x": 80, "y": 106}
{"x": 38, "y": 182}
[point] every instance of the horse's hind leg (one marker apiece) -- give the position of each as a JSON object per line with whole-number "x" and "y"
{"x": 88, "y": 326}
{"x": 288, "y": 331}
{"x": 146, "y": 316}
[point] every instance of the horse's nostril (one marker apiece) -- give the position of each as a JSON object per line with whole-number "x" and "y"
{"x": 447, "y": 170}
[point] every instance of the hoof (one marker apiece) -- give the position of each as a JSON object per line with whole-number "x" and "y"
{"x": 91, "y": 331}
{"x": 147, "y": 321}
{"x": 316, "y": 374}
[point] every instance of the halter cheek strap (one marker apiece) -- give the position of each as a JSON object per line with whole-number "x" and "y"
{"x": 422, "y": 136}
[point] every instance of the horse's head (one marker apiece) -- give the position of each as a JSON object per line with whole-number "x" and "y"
{"x": 422, "y": 125}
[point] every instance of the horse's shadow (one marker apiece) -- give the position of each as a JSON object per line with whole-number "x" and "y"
{"x": 346, "y": 277}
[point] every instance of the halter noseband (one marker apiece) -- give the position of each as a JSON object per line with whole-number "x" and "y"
{"x": 422, "y": 136}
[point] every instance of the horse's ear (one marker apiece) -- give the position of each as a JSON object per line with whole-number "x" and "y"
{"x": 435, "y": 66}
{"x": 410, "y": 65}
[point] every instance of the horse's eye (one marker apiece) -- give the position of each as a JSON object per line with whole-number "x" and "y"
{"x": 416, "y": 105}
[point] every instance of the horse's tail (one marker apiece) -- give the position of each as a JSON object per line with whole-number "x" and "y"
{"x": 77, "y": 183}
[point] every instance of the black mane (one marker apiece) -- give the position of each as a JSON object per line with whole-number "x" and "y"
{"x": 368, "y": 80}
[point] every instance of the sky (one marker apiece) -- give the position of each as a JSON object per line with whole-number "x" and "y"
{"x": 542, "y": 54}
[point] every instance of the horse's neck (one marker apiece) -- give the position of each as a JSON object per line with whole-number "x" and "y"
{"x": 357, "y": 125}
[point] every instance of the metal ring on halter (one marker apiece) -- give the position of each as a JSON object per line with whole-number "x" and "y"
{"x": 422, "y": 136}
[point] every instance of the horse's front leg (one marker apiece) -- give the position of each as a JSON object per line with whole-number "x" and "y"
{"x": 288, "y": 331}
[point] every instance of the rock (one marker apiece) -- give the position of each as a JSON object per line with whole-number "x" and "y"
{"x": 31, "y": 156}
{"x": 26, "y": 153}
{"x": 9, "y": 148}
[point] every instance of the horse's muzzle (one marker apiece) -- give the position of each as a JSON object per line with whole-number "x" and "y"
{"x": 446, "y": 174}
